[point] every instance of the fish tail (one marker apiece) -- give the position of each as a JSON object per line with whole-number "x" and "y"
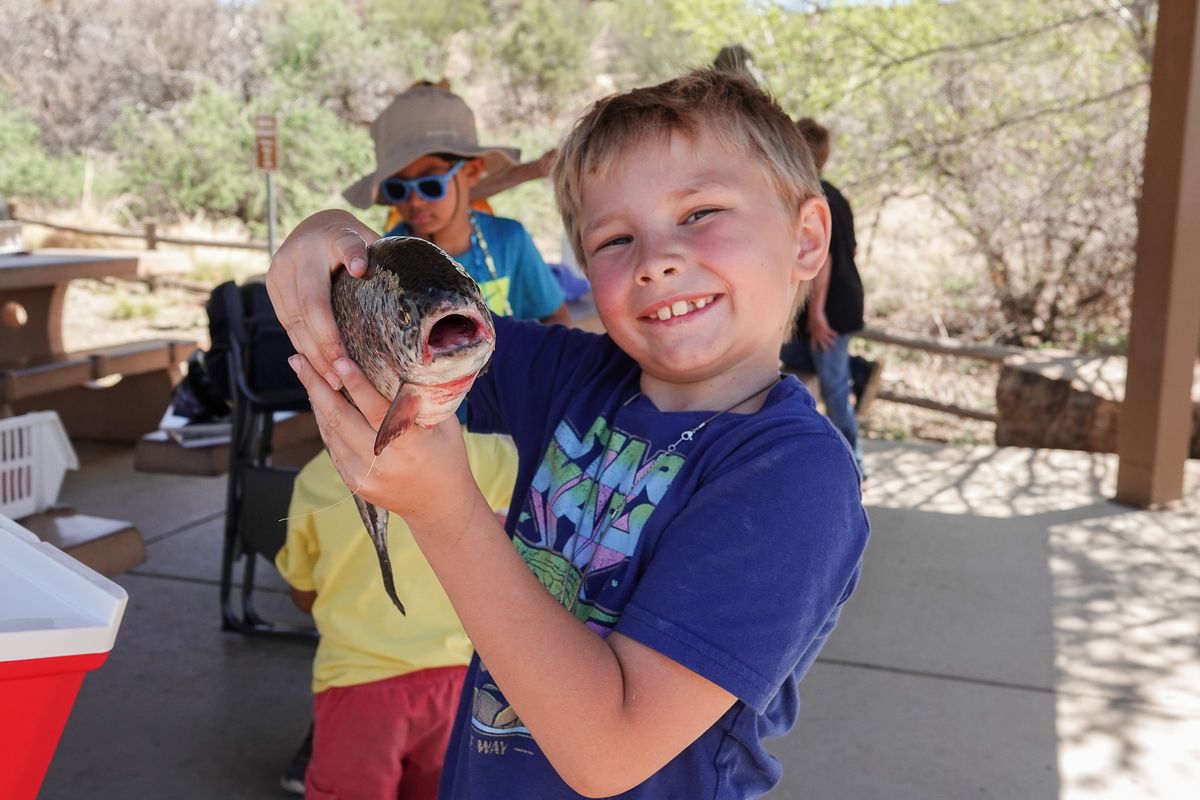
{"x": 375, "y": 519}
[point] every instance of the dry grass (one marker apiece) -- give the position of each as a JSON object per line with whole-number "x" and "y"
{"x": 920, "y": 278}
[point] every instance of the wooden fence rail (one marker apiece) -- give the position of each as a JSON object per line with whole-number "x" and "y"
{"x": 149, "y": 234}
{"x": 941, "y": 346}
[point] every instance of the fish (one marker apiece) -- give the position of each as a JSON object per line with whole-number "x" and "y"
{"x": 417, "y": 326}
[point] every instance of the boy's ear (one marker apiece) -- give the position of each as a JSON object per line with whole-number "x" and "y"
{"x": 812, "y": 236}
{"x": 472, "y": 171}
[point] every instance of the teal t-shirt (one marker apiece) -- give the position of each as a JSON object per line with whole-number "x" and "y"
{"x": 522, "y": 277}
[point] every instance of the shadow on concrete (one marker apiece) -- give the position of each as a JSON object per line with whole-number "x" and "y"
{"x": 1015, "y": 635}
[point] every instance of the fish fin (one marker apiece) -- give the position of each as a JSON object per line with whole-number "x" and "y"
{"x": 376, "y": 521}
{"x": 399, "y": 418}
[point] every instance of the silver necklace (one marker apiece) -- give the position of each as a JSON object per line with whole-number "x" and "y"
{"x": 688, "y": 435}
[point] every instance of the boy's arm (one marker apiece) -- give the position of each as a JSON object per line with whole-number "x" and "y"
{"x": 298, "y": 556}
{"x": 617, "y": 710}
{"x": 303, "y": 600}
{"x": 513, "y": 176}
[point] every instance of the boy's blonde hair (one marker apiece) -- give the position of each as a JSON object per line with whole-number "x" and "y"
{"x": 743, "y": 117}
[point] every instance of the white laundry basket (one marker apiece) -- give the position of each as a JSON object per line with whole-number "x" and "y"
{"x": 35, "y": 453}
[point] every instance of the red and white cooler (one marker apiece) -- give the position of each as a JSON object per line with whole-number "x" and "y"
{"x": 58, "y": 620}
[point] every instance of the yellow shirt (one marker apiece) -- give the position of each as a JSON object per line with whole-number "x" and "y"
{"x": 364, "y": 637}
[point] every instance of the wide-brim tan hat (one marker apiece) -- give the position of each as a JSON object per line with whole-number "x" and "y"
{"x": 421, "y": 121}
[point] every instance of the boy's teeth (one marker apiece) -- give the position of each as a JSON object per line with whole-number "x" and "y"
{"x": 681, "y": 307}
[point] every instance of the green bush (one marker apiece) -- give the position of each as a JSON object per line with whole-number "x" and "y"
{"x": 195, "y": 156}
{"x": 199, "y": 156}
{"x": 28, "y": 171}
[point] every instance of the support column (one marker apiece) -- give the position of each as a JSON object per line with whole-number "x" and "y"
{"x": 1156, "y": 416}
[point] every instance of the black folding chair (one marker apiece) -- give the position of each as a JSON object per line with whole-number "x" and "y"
{"x": 261, "y": 385}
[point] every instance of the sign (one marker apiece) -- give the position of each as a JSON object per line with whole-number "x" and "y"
{"x": 266, "y": 142}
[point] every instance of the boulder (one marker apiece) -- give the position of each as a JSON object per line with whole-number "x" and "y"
{"x": 1067, "y": 401}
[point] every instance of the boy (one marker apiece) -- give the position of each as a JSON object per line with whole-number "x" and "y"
{"x": 663, "y": 584}
{"x": 427, "y": 160}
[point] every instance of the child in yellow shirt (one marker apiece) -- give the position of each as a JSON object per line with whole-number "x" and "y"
{"x": 385, "y": 685}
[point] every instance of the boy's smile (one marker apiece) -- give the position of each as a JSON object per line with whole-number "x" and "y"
{"x": 679, "y": 308}
{"x": 694, "y": 262}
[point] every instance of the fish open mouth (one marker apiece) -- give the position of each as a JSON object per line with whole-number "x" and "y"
{"x": 452, "y": 333}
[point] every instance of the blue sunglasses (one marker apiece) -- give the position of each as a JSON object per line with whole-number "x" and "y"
{"x": 431, "y": 187}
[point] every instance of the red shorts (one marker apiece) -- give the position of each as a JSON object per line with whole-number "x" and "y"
{"x": 385, "y": 739}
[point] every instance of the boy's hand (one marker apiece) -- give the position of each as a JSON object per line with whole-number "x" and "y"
{"x": 819, "y": 331}
{"x": 541, "y": 167}
{"x": 304, "y": 600}
{"x": 300, "y": 277}
{"x": 411, "y": 476}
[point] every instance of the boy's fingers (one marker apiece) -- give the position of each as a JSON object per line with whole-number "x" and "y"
{"x": 295, "y": 323}
{"x": 313, "y": 317}
{"x": 350, "y": 249}
{"x": 370, "y": 402}
{"x": 299, "y": 283}
{"x": 343, "y": 429}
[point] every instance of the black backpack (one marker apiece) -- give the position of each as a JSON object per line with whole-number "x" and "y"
{"x": 242, "y": 317}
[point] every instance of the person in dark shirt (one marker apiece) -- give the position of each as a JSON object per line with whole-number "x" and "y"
{"x": 833, "y": 313}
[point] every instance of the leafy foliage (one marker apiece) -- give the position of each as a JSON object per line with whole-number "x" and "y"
{"x": 28, "y": 170}
{"x": 1021, "y": 123}
{"x": 545, "y": 53}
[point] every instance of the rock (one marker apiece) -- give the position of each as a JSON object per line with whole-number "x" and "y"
{"x": 1067, "y": 401}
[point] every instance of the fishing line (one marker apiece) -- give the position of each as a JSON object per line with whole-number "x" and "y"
{"x": 350, "y": 496}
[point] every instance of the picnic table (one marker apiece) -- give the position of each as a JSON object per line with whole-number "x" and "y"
{"x": 37, "y": 372}
{"x": 38, "y": 284}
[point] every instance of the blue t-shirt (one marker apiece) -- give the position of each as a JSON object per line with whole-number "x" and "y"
{"x": 731, "y": 556}
{"x": 522, "y": 277}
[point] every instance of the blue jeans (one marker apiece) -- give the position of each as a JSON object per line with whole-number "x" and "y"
{"x": 832, "y": 368}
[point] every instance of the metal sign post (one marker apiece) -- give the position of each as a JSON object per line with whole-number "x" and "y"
{"x": 266, "y": 152}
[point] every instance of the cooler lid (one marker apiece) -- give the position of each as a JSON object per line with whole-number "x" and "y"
{"x": 50, "y": 604}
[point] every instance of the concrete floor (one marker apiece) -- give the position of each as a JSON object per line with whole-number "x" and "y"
{"x": 1015, "y": 635}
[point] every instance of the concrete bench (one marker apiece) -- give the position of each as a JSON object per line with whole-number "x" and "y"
{"x": 109, "y": 546}
{"x": 22, "y": 379}
{"x": 25, "y": 378}
{"x": 113, "y": 393}
{"x": 138, "y": 358}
